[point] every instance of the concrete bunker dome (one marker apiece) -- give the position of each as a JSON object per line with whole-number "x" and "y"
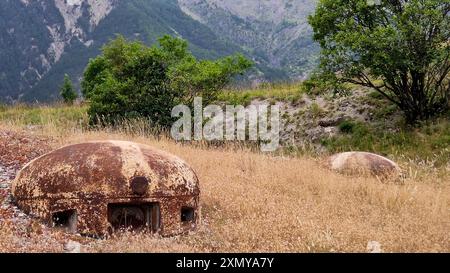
{"x": 95, "y": 188}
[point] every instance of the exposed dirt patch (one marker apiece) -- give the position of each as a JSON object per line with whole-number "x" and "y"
{"x": 24, "y": 233}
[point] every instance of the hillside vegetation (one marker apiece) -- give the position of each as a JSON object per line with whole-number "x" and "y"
{"x": 425, "y": 147}
{"x": 360, "y": 120}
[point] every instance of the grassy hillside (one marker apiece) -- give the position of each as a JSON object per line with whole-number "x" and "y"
{"x": 60, "y": 117}
{"x": 385, "y": 134}
{"x": 292, "y": 204}
{"x": 271, "y": 91}
{"x": 427, "y": 146}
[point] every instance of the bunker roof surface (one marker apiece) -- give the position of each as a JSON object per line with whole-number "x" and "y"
{"x": 105, "y": 169}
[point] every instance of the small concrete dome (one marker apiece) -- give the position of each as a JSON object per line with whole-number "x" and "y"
{"x": 363, "y": 163}
{"x": 97, "y": 187}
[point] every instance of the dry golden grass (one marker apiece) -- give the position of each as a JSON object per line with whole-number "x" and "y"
{"x": 252, "y": 202}
{"x": 260, "y": 203}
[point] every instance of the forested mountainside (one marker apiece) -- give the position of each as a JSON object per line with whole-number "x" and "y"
{"x": 274, "y": 32}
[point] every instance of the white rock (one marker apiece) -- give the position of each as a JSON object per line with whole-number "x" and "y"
{"x": 374, "y": 247}
{"x": 72, "y": 247}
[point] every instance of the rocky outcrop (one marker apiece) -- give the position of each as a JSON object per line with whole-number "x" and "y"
{"x": 35, "y": 35}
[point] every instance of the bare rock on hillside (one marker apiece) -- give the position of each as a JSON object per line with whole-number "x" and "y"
{"x": 331, "y": 121}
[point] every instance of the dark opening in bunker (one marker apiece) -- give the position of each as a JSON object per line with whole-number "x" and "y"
{"x": 65, "y": 219}
{"x": 137, "y": 217}
{"x": 187, "y": 214}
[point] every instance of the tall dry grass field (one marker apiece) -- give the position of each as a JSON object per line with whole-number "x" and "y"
{"x": 254, "y": 202}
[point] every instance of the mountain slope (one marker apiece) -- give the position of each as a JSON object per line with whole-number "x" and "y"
{"x": 275, "y": 32}
{"x": 41, "y": 40}
{"x": 46, "y": 38}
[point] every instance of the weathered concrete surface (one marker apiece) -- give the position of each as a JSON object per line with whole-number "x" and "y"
{"x": 363, "y": 163}
{"x": 87, "y": 177}
{"x": 24, "y": 233}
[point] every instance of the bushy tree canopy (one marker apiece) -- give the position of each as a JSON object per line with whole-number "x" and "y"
{"x": 67, "y": 92}
{"x": 401, "y": 48}
{"x": 132, "y": 80}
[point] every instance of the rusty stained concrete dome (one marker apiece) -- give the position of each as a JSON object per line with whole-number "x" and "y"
{"x": 363, "y": 163}
{"x": 95, "y": 188}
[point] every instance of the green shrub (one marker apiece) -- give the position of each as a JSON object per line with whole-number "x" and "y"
{"x": 130, "y": 80}
{"x": 67, "y": 92}
{"x": 347, "y": 127}
{"x": 398, "y": 48}
{"x": 316, "y": 110}
{"x": 318, "y": 84}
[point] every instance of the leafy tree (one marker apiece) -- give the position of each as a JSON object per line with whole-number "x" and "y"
{"x": 67, "y": 92}
{"x": 401, "y": 48}
{"x": 131, "y": 80}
